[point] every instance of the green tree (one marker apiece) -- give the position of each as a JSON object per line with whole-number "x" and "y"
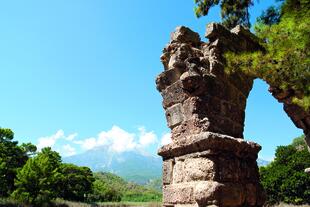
{"x": 233, "y": 12}
{"x": 299, "y": 142}
{"x": 270, "y": 16}
{"x": 76, "y": 182}
{"x": 39, "y": 180}
{"x": 285, "y": 63}
{"x": 110, "y": 187}
{"x": 284, "y": 179}
{"x": 103, "y": 192}
{"x": 12, "y": 157}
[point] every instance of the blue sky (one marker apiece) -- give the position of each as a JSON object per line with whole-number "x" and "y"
{"x": 77, "y": 74}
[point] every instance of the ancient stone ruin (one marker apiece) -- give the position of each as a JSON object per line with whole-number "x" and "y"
{"x": 208, "y": 163}
{"x": 298, "y": 115}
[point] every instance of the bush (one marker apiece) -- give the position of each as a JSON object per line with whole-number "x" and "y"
{"x": 284, "y": 179}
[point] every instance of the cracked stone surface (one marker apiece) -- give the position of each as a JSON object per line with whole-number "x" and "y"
{"x": 208, "y": 163}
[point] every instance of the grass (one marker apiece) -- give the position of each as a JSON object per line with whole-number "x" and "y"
{"x": 290, "y": 205}
{"x": 108, "y": 204}
{"x": 5, "y": 202}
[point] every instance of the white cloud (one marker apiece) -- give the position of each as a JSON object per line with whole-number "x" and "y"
{"x": 68, "y": 150}
{"x": 119, "y": 140}
{"x": 71, "y": 137}
{"x": 116, "y": 140}
{"x": 49, "y": 141}
{"x": 166, "y": 139}
{"x": 88, "y": 143}
{"x": 147, "y": 138}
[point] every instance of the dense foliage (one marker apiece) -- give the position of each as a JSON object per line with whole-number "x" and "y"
{"x": 12, "y": 157}
{"x": 284, "y": 179}
{"x": 76, "y": 182}
{"x": 110, "y": 187}
{"x": 233, "y": 12}
{"x": 285, "y": 63}
{"x": 44, "y": 178}
{"x": 38, "y": 179}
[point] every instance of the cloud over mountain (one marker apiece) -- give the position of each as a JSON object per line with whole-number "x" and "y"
{"x": 115, "y": 140}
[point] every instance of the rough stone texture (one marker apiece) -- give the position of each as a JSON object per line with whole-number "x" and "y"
{"x": 207, "y": 193}
{"x": 298, "y": 115}
{"x": 197, "y": 95}
{"x": 167, "y": 171}
{"x": 208, "y": 163}
{"x": 214, "y": 169}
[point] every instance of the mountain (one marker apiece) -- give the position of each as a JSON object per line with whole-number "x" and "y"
{"x": 133, "y": 166}
{"x": 261, "y": 162}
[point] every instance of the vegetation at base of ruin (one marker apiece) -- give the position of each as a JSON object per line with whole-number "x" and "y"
{"x": 289, "y": 205}
{"x": 4, "y": 202}
{"x": 285, "y": 63}
{"x": 232, "y": 12}
{"x": 36, "y": 179}
{"x": 284, "y": 179}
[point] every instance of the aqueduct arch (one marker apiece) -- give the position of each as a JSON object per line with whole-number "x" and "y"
{"x": 208, "y": 163}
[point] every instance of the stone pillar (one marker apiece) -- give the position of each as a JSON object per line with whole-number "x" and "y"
{"x": 211, "y": 169}
{"x": 208, "y": 163}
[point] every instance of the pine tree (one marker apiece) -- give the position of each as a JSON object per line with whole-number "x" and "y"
{"x": 233, "y": 12}
{"x": 38, "y": 181}
{"x": 12, "y": 157}
{"x": 285, "y": 63}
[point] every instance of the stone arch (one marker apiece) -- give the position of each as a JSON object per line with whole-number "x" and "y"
{"x": 208, "y": 162}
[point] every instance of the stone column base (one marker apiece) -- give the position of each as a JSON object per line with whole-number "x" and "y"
{"x": 211, "y": 169}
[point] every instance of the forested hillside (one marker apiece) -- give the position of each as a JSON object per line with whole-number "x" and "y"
{"x": 38, "y": 178}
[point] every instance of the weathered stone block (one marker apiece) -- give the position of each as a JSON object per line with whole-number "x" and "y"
{"x": 185, "y": 35}
{"x": 191, "y": 106}
{"x": 186, "y": 205}
{"x": 168, "y": 77}
{"x": 251, "y": 194}
{"x": 174, "y": 94}
{"x": 178, "y": 194}
{"x": 221, "y": 124}
{"x": 207, "y": 193}
{"x": 191, "y": 81}
{"x": 232, "y": 195}
{"x": 199, "y": 169}
{"x": 178, "y": 172}
{"x": 211, "y": 141}
{"x": 249, "y": 170}
{"x": 174, "y": 115}
{"x": 168, "y": 171}
{"x": 229, "y": 168}
{"x": 214, "y": 30}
